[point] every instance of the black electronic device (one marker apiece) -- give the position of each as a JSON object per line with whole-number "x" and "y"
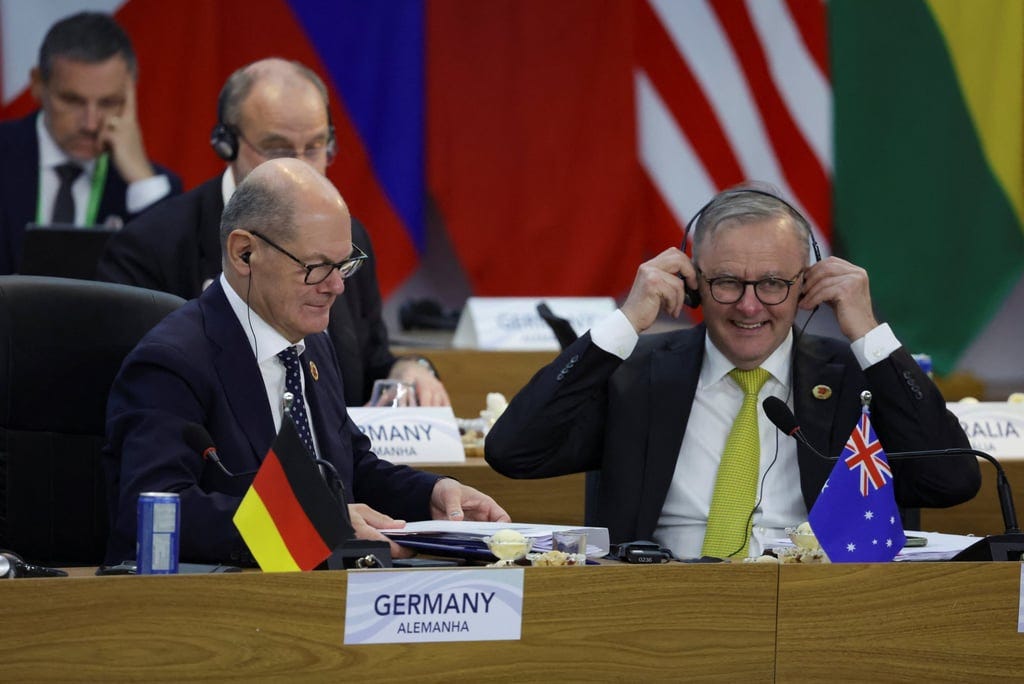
{"x": 63, "y": 250}
{"x": 645, "y": 552}
{"x": 561, "y": 327}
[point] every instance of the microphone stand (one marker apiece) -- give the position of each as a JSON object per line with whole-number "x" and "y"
{"x": 1008, "y": 546}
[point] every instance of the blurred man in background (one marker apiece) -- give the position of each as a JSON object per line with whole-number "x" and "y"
{"x": 80, "y": 159}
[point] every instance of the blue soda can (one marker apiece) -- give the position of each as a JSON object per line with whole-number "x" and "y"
{"x": 159, "y": 517}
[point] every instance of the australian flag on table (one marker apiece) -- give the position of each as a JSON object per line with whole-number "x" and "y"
{"x": 855, "y": 517}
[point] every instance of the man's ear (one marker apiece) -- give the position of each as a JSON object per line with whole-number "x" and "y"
{"x": 36, "y": 85}
{"x": 239, "y": 251}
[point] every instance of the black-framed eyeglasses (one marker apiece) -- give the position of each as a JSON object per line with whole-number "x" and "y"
{"x": 769, "y": 291}
{"x": 315, "y": 152}
{"x": 318, "y": 273}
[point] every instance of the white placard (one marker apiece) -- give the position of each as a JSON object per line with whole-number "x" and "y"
{"x": 417, "y": 606}
{"x": 513, "y": 324}
{"x": 411, "y": 434}
{"x": 995, "y": 427}
{"x": 1020, "y": 602}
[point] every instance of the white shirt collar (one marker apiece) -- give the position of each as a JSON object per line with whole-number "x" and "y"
{"x": 227, "y": 185}
{"x": 264, "y": 340}
{"x": 716, "y": 366}
{"x": 50, "y": 154}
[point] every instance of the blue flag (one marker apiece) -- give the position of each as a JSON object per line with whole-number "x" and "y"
{"x": 855, "y": 517}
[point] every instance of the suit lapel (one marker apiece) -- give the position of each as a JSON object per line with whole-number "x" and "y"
{"x": 813, "y": 374}
{"x": 674, "y": 372}
{"x": 240, "y": 376}
{"x": 327, "y": 421}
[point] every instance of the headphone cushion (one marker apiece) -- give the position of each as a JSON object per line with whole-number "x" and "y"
{"x": 224, "y": 142}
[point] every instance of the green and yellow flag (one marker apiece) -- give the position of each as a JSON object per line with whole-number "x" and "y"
{"x": 929, "y": 160}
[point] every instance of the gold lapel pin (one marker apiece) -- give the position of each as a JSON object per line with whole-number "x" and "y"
{"x": 313, "y": 371}
{"x": 821, "y": 392}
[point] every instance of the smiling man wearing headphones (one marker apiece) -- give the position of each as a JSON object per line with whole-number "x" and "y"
{"x": 657, "y": 414}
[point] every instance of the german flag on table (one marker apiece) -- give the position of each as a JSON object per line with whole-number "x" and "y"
{"x": 289, "y": 518}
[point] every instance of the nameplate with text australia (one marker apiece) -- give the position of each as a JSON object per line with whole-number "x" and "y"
{"x": 421, "y": 434}
{"x": 995, "y": 427}
{"x": 419, "y": 606}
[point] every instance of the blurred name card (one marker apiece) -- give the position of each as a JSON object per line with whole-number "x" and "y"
{"x": 513, "y": 324}
{"x": 411, "y": 434}
{"x": 995, "y": 427}
{"x": 417, "y": 606}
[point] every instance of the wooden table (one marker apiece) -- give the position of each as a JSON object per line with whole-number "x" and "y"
{"x": 742, "y": 622}
{"x": 921, "y": 622}
{"x": 625, "y": 623}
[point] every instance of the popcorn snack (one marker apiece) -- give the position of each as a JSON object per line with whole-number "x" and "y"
{"x": 549, "y": 558}
{"x": 807, "y": 549}
{"x": 803, "y": 537}
{"x": 496, "y": 404}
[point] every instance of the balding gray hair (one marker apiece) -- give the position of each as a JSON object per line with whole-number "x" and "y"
{"x": 259, "y": 204}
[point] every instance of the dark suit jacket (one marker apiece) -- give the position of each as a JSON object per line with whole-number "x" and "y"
{"x": 196, "y": 366}
{"x": 176, "y": 248}
{"x": 19, "y": 188}
{"x": 589, "y": 410}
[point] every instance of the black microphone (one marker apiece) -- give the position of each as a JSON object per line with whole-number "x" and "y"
{"x": 198, "y": 439}
{"x": 783, "y": 418}
{"x": 1011, "y": 543}
{"x": 12, "y": 565}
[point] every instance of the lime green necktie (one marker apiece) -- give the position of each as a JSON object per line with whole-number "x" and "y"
{"x": 730, "y": 516}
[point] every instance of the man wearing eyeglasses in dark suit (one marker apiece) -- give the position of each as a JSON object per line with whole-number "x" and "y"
{"x": 269, "y": 109}
{"x": 655, "y": 413}
{"x": 222, "y": 361}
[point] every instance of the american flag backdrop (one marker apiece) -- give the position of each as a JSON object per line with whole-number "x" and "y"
{"x": 729, "y": 90}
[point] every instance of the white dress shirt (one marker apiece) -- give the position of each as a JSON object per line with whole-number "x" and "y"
{"x": 140, "y": 194}
{"x": 266, "y": 343}
{"x": 780, "y": 504}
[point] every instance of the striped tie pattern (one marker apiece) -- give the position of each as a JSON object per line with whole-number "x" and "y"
{"x": 732, "y": 503}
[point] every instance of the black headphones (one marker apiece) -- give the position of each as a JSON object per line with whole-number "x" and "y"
{"x": 245, "y": 257}
{"x": 692, "y": 299}
{"x": 224, "y": 136}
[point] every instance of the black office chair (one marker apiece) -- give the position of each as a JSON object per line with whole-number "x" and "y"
{"x": 62, "y": 342}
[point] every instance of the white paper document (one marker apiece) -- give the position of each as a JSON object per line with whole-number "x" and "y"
{"x": 938, "y": 547}
{"x": 597, "y": 537}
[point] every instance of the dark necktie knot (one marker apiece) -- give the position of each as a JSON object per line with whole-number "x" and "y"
{"x": 68, "y": 172}
{"x": 64, "y": 203}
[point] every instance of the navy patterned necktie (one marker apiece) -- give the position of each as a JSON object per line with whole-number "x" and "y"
{"x": 293, "y": 383}
{"x": 64, "y": 205}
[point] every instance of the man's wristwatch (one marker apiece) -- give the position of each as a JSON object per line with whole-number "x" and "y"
{"x": 422, "y": 361}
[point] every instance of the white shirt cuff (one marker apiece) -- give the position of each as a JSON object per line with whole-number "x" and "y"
{"x": 875, "y": 346}
{"x": 145, "y": 192}
{"x": 615, "y": 334}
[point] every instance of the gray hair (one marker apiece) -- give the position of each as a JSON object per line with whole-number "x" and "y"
{"x": 259, "y": 204}
{"x": 90, "y": 37}
{"x": 746, "y": 204}
{"x": 240, "y": 84}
